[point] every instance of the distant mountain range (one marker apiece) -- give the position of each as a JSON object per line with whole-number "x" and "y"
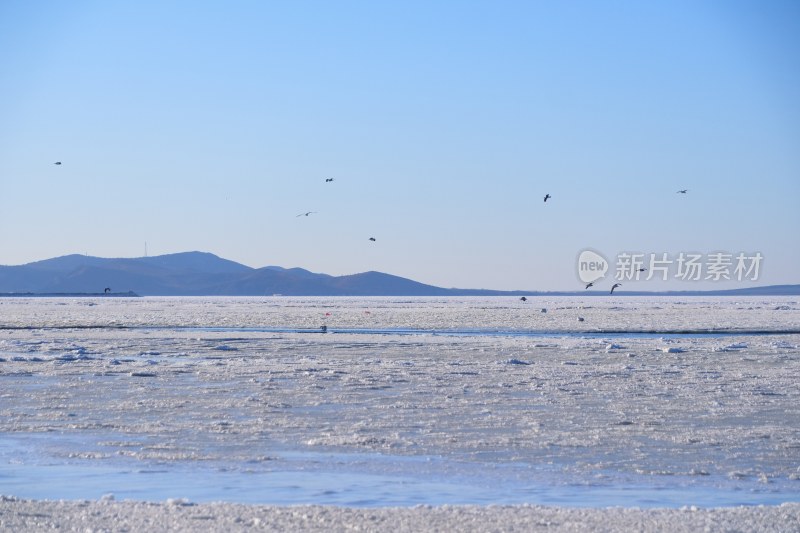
{"x": 205, "y": 274}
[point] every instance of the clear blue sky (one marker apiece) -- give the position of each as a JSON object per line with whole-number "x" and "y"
{"x": 210, "y": 125}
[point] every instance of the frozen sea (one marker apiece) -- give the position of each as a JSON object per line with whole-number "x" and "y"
{"x": 582, "y": 402}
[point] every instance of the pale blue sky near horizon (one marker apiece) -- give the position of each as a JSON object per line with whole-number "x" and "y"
{"x": 210, "y": 125}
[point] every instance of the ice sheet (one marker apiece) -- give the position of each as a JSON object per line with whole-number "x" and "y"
{"x": 404, "y": 401}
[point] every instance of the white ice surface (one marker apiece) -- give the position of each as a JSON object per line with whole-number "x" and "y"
{"x": 403, "y": 402}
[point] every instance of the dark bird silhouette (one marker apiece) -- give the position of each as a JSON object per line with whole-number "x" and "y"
{"x": 615, "y": 286}
{"x": 106, "y": 290}
{"x": 590, "y": 284}
{"x": 306, "y": 213}
{"x": 372, "y": 239}
{"x": 683, "y": 191}
{"x": 57, "y": 163}
{"x": 327, "y": 180}
{"x": 546, "y": 196}
{"x": 524, "y": 299}
{"x": 642, "y": 269}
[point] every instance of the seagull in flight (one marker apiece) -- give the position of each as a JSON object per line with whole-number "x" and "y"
{"x": 590, "y": 284}
{"x": 615, "y": 286}
{"x": 306, "y": 213}
{"x": 546, "y": 196}
{"x": 683, "y": 191}
{"x": 372, "y": 239}
{"x": 327, "y": 180}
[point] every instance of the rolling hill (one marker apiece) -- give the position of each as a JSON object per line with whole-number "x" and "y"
{"x": 205, "y": 274}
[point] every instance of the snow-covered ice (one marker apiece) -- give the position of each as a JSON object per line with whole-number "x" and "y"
{"x": 649, "y": 402}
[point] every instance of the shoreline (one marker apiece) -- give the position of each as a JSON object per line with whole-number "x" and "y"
{"x": 179, "y": 515}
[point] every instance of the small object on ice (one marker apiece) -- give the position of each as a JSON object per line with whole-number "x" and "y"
{"x": 225, "y": 348}
{"x": 544, "y": 309}
{"x": 613, "y": 346}
{"x": 615, "y": 286}
{"x": 590, "y": 284}
{"x": 517, "y": 362}
{"x": 178, "y": 501}
{"x": 683, "y": 191}
{"x": 672, "y": 350}
{"x": 372, "y": 239}
{"x": 732, "y": 347}
{"x": 580, "y": 319}
{"x": 323, "y": 328}
{"x": 306, "y": 213}
{"x": 106, "y": 290}
{"x": 524, "y": 299}
{"x": 783, "y": 345}
{"x": 546, "y": 196}
{"x": 109, "y": 497}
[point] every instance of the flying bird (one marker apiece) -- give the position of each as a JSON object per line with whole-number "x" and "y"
{"x": 642, "y": 269}
{"x": 306, "y": 213}
{"x": 683, "y": 191}
{"x": 615, "y": 286}
{"x": 372, "y": 239}
{"x": 546, "y": 196}
{"x": 57, "y": 163}
{"x": 327, "y": 180}
{"x": 590, "y": 284}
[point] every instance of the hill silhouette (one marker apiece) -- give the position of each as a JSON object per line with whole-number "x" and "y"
{"x": 196, "y": 274}
{"x": 205, "y": 274}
